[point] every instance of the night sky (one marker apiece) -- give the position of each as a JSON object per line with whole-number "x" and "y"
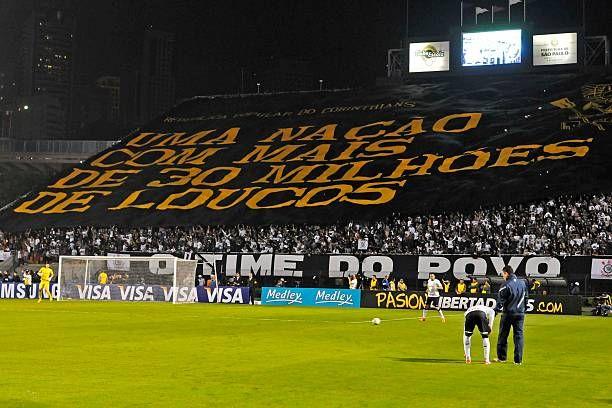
{"x": 345, "y": 41}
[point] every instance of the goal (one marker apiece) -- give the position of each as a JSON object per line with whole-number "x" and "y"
{"x": 127, "y": 278}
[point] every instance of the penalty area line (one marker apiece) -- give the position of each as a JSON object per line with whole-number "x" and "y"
{"x": 398, "y": 319}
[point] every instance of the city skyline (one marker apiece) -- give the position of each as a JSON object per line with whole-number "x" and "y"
{"x": 228, "y": 48}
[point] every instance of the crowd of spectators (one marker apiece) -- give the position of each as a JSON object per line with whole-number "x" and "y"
{"x": 561, "y": 226}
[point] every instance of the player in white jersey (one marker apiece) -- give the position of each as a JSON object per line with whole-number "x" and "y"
{"x": 481, "y": 317}
{"x": 433, "y": 297}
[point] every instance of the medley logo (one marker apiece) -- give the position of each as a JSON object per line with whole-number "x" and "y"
{"x": 282, "y": 296}
{"x": 311, "y": 297}
{"x": 333, "y": 297}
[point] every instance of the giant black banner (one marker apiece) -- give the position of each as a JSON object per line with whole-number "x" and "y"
{"x": 412, "y": 268}
{"x": 329, "y": 156}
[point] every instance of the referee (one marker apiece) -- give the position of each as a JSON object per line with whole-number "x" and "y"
{"x": 511, "y": 300}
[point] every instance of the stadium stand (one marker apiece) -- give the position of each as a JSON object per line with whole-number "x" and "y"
{"x": 562, "y": 226}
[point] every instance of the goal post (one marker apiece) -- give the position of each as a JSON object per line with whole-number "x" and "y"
{"x": 128, "y": 278}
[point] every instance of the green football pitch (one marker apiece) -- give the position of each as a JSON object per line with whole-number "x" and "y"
{"x": 96, "y": 354}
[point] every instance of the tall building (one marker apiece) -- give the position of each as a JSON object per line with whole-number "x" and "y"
{"x": 112, "y": 86}
{"x": 46, "y": 66}
{"x": 156, "y": 83}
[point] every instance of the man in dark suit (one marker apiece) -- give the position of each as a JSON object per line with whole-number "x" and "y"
{"x": 511, "y": 299}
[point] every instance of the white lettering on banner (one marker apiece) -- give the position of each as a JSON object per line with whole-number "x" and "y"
{"x": 94, "y": 292}
{"x": 209, "y": 261}
{"x": 440, "y": 264}
{"x": 283, "y": 295}
{"x": 285, "y": 265}
{"x": 225, "y": 295}
{"x": 7, "y": 291}
{"x": 185, "y": 294}
{"x": 263, "y": 265}
{"x": 553, "y": 267}
{"x": 124, "y": 291}
{"x": 333, "y": 296}
{"x": 498, "y": 263}
{"x": 369, "y": 269}
{"x": 432, "y": 264}
{"x": 459, "y": 268}
{"x": 464, "y": 303}
{"x": 341, "y": 266}
{"x": 17, "y": 291}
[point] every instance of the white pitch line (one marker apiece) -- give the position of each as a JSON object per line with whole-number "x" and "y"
{"x": 398, "y": 319}
{"x": 271, "y": 319}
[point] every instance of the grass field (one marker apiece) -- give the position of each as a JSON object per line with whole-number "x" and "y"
{"x": 96, "y": 354}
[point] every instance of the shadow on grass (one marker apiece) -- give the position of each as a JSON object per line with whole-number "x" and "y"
{"x": 426, "y": 360}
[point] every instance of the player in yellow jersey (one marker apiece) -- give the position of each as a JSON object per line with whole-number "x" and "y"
{"x": 103, "y": 278}
{"x": 46, "y": 274}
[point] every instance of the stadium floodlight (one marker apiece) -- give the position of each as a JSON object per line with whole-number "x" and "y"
{"x": 128, "y": 278}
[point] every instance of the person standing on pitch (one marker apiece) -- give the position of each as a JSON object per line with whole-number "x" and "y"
{"x": 433, "y": 297}
{"x": 511, "y": 299}
{"x": 46, "y": 274}
{"x": 481, "y": 317}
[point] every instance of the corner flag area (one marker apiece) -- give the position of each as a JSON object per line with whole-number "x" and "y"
{"x": 156, "y": 354}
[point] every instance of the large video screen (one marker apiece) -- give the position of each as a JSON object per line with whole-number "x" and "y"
{"x": 555, "y": 49}
{"x": 429, "y": 57}
{"x": 491, "y": 48}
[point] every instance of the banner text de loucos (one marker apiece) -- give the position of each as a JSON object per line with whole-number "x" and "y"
{"x": 351, "y": 155}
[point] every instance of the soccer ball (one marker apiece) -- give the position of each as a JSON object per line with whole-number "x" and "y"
{"x": 376, "y": 321}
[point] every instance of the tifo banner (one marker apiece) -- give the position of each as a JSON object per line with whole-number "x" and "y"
{"x": 19, "y": 291}
{"x": 416, "y": 300}
{"x": 223, "y": 294}
{"x": 129, "y": 293}
{"x": 310, "y": 297}
{"x": 601, "y": 268}
{"x": 411, "y": 267}
{"x": 322, "y": 157}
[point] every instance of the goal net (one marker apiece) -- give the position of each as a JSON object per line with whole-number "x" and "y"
{"x": 127, "y": 278}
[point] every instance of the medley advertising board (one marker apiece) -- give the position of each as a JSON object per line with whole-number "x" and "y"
{"x": 416, "y": 300}
{"x": 555, "y": 49}
{"x": 429, "y": 56}
{"x": 491, "y": 48}
{"x": 310, "y": 297}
